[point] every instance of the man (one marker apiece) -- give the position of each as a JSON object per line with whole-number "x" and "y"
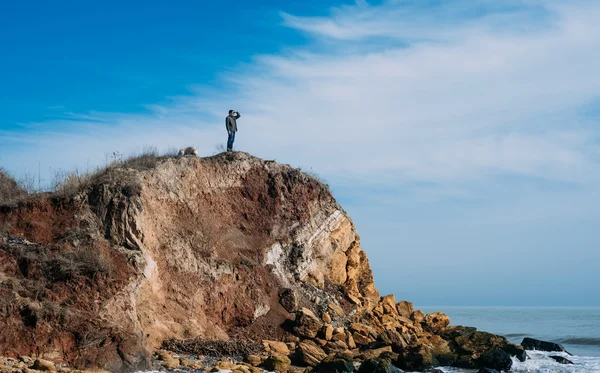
{"x": 231, "y": 125}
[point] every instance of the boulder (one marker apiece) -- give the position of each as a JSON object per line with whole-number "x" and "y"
{"x": 288, "y": 300}
{"x": 362, "y": 340}
{"x": 363, "y": 329}
{"x": 166, "y": 360}
{"x": 277, "y": 363}
{"x": 436, "y": 321}
{"x": 404, "y": 308}
{"x": 309, "y": 353}
{"x": 307, "y": 324}
{"x": 276, "y": 347}
{"x": 326, "y": 332}
{"x": 336, "y": 309}
{"x": 335, "y": 364}
{"x": 416, "y": 358}
{"x": 536, "y": 344}
{"x": 488, "y": 370}
{"x": 561, "y": 360}
{"x": 350, "y": 341}
{"x": 477, "y": 343}
{"x": 27, "y": 360}
{"x": 378, "y": 366}
{"x": 391, "y": 356}
{"x": 44, "y": 365}
{"x": 335, "y": 346}
{"x": 465, "y": 361}
{"x": 320, "y": 342}
{"x": 375, "y": 352}
{"x": 253, "y": 360}
{"x": 389, "y": 304}
{"x": 340, "y": 336}
{"x": 392, "y": 338}
{"x": 417, "y": 316}
{"x": 326, "y": 317}
{"x": 449, "y": 333}
{"x": 516, "y": 351}
{"x": 495, "y": 359}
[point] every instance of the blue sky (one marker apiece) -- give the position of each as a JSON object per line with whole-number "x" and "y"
{"x": 461, "y": 136}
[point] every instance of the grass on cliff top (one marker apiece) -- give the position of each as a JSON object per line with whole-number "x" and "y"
{"x": 67, "y": 183}
{"x": 9, "y": 187}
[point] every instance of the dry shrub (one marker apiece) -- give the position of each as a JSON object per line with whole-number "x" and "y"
{"x": 9, "y": 188}
{"x": 68, "y": 183}
{"x": 213, "y": 348}
{"x": 145, "y": 160}
{"x": 66, "y": 266}
{"x": 60, "y": 266}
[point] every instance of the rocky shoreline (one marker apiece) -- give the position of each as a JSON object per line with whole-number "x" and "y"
{"x": 294, "y": 357}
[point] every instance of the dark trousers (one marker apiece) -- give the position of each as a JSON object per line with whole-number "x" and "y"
{"x": 230, "y": 140}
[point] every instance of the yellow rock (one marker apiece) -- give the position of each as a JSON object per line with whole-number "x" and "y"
{"x": 278, "y": 363}
{"x": 254, "y": 360}
{"x": 44, "y": 365}
{"x": 276, "y": 347}
{"x": 243, "y": 369}
{"x": 336, "y": 309}
{"x": 328, "y": 332}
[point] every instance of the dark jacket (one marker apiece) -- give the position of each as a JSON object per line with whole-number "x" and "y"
{"x": 231, "y": 122}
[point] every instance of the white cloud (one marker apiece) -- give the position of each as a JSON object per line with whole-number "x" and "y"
{"x": 468, "y": 98}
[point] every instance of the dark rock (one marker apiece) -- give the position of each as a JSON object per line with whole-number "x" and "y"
{"x": 378, "y": 366}
{"x": 446, "y": 359}
{"x": 449, "y": 333}
{"x": 516, "y": 351}
{"x": 495, "y": 359}
{"x": 417, "y": 358}
{"x": 277, "y": 363}
{"x": 465, "y": 362}
{"x": 536, "y": 344}
{"x": 488, "y": 370}
{"x": 435, "y": 371}
{"x": 307, "y": 324}
{"x": 477, "y": 343}
{"x": 335, "y": 365}
{"x": 391, "y": 356}
{"x": 392, "y": 338}
{"x": 289, "y": 300}
{"x": 561, "y": 360}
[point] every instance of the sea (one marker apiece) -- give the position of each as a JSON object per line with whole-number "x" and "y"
{"x": 577, "y": 329}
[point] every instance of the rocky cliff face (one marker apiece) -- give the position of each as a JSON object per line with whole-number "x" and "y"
{"x": 190, "y": 247}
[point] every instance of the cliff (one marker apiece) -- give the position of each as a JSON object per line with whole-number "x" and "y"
{"x": 225, "y": 248}
{"x": 188, "y": 248}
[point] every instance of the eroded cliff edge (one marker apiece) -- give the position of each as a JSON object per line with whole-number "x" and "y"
{"x": 191, "y": 247}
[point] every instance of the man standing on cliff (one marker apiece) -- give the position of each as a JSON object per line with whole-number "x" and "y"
{"x": 231, "y": 125}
